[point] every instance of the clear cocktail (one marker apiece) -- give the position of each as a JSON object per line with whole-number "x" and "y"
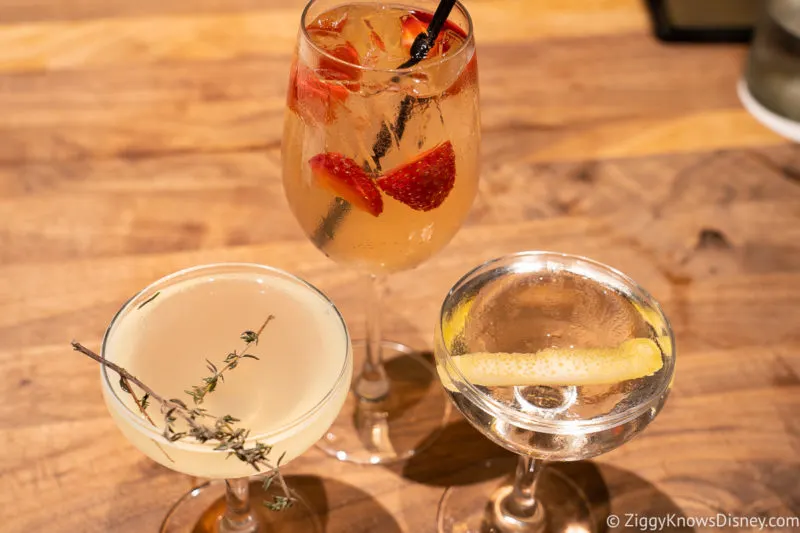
{"x": 555, "y": 358}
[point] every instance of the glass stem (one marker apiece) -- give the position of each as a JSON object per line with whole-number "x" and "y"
{"x": 238, "y": 518}
{"x": 372, "y": 384}
{"x": 518, "y": 510}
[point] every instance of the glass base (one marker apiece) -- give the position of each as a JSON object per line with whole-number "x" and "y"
{"x": 781, "y": 125}
{"x": 200, "y": 511}
{"x": 406, "y": 421}
{"x": 474, "y": 508}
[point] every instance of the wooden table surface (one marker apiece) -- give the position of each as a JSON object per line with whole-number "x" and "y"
{"x": 137, "y": 138}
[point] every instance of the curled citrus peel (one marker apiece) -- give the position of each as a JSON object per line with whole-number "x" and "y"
{"x": 634, "y": 358}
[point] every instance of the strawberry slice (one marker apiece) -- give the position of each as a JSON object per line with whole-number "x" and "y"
{"x": 346, "y": 68}
{"x": 424, "y": 183}
{"x": 376, "y": 41}
{"x": 377, "y": 46}
{"x": 313, "y": 98}
{"x": 410, "y": 27}
{"x": 344, "y": 178}
{"x": 342, "y": 61}
{"x": 374, "y": 38}
{"x": 425, "y": 17}
{"x": 417, "y": 22}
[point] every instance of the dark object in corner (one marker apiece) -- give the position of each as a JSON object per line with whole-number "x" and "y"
{"x": 704, "y": 21}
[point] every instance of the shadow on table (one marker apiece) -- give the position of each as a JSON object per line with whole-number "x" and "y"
{"x": 460, "y": 455}
{"x": 624, "y": 500}
{"x": 341, "y": 507}
{"x": 338, "y": 507}
{"x": 449, "y": 458}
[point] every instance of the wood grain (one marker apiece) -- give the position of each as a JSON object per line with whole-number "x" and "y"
{"x": 138, "y": 138}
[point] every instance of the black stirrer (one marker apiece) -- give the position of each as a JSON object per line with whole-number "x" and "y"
{"x": 419, "y": 50}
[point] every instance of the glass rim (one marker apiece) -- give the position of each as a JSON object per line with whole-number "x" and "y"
{"x": 518, "y": 418}
{"x": 153, "y": 431}
{"x": 415, "y": 68}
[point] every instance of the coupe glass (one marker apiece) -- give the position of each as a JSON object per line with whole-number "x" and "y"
{"x": 166, "y": 336}
{"x": 555, "y": 358}
{"x": 380, "y": 167}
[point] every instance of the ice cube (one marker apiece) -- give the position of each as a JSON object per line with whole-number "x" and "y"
{"x": 333, "y": 20}
{"x": 342, "y": 59}
{"x": 375, "y": 46}
{"x": 326, "y": 39}
{"x": 315, "y": 100}
{"x": 450, "y": 41}
{"x": 381, "y": 40}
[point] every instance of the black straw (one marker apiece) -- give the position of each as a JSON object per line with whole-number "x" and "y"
{"x": 425, "y": 41}
{"x": 419, "y": 50}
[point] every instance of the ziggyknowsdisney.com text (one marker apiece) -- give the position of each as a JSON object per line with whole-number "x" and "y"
{"x": 720, "y": 520}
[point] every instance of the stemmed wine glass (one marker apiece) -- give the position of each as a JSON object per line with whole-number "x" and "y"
{"x": 555, "y": 358}
{"x": 286, "y": 389}
{"x": 380, "y": 167}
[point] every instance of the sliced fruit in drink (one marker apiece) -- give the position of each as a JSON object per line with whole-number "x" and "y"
{"x": 416, "y": 22}
{"x": 634, "y": 358}
{"x": 346, "y": 68}
{"x": 456, "y": 322}
{"x": 347, "y": 180}
{"x": 376, "y": 51}
{"x": 315, "y": 93}
{"x": 410, "y": 27}
{"x": 425, "y": 182}
{"x": 657, "y": 322}
{"x": 376, "y": 41}
{"x": 425, "y": 17}
{"x": 373, "y": 51}
{"x": 312, "y": 98}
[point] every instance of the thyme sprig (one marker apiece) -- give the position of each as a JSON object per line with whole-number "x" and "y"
{"x": 200, "y": 424}
{"x": 198, "y": 392}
